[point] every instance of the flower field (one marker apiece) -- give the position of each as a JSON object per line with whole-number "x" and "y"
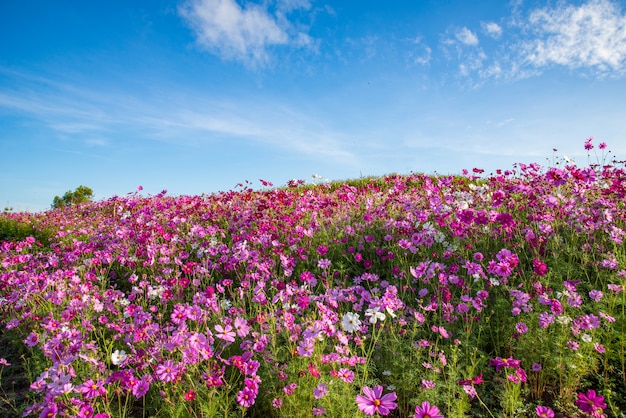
{"x": 478, "y": 295}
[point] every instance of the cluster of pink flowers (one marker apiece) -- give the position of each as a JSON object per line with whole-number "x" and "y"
{"x": 184, "y": 296}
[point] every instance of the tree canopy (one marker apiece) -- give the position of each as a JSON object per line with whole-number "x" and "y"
{"x": 82, "y": 194}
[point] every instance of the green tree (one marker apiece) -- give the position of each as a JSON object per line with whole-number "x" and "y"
{"x": 82, "y": 194}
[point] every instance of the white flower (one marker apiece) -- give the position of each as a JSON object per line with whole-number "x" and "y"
{"x": 118, "y": 357}
{"x": 586, "y": 338}
{"x": 351, "y": 322}
{"x": 375, "y": 315}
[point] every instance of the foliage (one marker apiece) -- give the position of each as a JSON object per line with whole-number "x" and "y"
{"x": 17, "y": 227}
{"x": 81, "y": 194}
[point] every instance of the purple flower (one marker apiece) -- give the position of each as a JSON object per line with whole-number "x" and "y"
{"x": 596, "y": 295}
{"x": 373, "y": 401}
{"x": 426, "y": 410}
{"x": 320, "y": 391}
{"x": 139, "y": 387}
{"x": 166, "y": 371}
{"x": 318, "y": 411}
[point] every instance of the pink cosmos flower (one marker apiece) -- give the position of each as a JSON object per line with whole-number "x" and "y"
{"x": 246, "y": 397}
{"x": 544, "y": 412}
{"x": 373, "y": 401}
{"x": 225, "y": 333}
{"x": 426, "y": 410}
{"x": 590, "y": 402}
{"x": 49, "y": 411}
{"x": 242, "y": 327}
{"x": 539, "y": 267}
{"x": 140, "y": 386}
{"x": 190, "y": 395}
{"x": 346, "y": 375}
{"x": 290, "y": 388}
{"x": 166, "y": 371}
{"x": 428, "y": 384}
{"x": 91, "y": 389}
{"x": 595, "y": 295}
{"x": 500, "y": 362}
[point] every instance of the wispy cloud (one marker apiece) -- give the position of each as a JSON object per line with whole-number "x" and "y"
{"x": 418, "y": 52}
{"x": 492, "y": 29}
{"x": 91, "y": 117}
{"x": 244, "y": 33}
{"x": 592, "y": 35}
{"x": 466, "y": 37}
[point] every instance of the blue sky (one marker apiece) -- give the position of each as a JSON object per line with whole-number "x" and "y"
{"x": 196, "y": 96}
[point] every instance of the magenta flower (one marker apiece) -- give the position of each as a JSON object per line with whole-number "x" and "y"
{"x": 91, "y": 389}
{"x": 374, "y": 403}
{"x": 426, "y": 410}
{"x": 246, "y": 397}
{"x": 500, "y": 363}
{"x": 49, "y": 411}
{"x": 590, "y": 402}
{"x": 544, "y": 412}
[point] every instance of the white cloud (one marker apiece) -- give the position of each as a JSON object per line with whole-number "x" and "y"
{"x": 591, "y": 35}
{"x": 467, "y": 37}
{"x": 242, "y": 33}
{"x": 492, "y": 29}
